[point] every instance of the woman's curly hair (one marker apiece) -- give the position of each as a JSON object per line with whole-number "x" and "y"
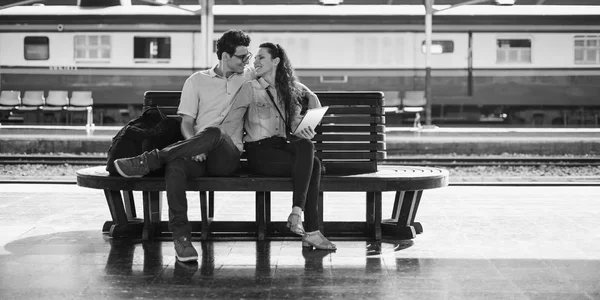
{"x": 285, "y": 80}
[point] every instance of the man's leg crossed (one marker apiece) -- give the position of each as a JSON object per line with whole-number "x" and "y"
{"x": 204, "y": 142}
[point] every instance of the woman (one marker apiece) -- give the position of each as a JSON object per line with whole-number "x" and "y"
{"x": 272, "y": 108}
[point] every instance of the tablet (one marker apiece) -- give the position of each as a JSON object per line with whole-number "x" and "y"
{"x": 312, "y": 118}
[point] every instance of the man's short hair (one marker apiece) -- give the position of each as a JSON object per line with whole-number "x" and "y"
{"x": 230, "y": 40}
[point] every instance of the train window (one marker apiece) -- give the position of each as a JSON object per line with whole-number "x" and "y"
{"x": 513, "y": 51}
{"x": 439, "y": 47}
{"x": 151, "y": 48}
{"x": 334, "y": 79}
{"x": 92, "y": 47}
{"x": 587, "y": 49}
{"x": 36, "y": 48}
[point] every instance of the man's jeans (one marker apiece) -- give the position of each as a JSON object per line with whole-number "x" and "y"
{"x": 222, "y": 159}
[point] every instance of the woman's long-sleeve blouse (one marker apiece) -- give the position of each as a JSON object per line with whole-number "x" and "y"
{"x": 260, "y": 118}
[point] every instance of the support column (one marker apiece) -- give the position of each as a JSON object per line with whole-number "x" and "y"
{"x": 428, "y": 33}
{"x": 207, "y": 26}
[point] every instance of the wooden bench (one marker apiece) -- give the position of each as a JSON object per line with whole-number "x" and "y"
{"x": 350, "y": 142}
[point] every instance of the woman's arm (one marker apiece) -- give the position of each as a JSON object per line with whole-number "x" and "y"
{"x": 313, "y": 102}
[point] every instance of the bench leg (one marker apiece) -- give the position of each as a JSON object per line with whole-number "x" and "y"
{"x": 417, "y": 225}
{"x": 321, "y": 207}
{"x": 414, "y": 199}
{"x": 152, "y": 210}
{"x": 373, "y": 216}
{"x": 129, "y": 204}
{"x": 211, "y": 205}
{"x": 261, "y": 221}
{"x": 120, "y": 225}
{"x": 267, "y": 211}
{"x": 403, "y": 225}
{"x": 205, "y": 211}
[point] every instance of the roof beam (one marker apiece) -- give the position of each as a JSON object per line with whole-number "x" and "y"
{"x": 25, "y": 2}
{"x": 540, "y": 2}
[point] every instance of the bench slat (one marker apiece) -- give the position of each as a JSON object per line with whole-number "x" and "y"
{"x": 351, "y": 155}
{"x": 353, "y": 94}
{"x": 347, "y": 101}
{"x": 332, "y": 110}
{"x": 342, "y": 119}
{"x": 348, "y": 128}
{"x": 166, "y": 98}
{"x": 348, "y": 137}
{"x": 362, "y": 110}
{"x": 355, "y": 146}
{"x": 345, "y": 167}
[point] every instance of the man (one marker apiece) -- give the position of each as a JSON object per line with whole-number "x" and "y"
{"x": 208, "y": 149}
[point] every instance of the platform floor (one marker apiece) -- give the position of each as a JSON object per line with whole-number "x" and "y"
{"x": 478, "y": 243}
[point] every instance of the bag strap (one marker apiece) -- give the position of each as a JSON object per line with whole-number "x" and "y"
{"x": 162, "y": 115}
{"x": 287, "y": 126}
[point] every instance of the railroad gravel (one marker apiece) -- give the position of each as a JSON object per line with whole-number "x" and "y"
{"x": 456, "y": 173}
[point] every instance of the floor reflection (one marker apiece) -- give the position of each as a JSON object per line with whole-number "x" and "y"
{"x": 88, "y": 265}
{"x": 123, "y": 257}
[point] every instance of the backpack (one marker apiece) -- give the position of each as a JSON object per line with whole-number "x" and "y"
{"x": 151, "y": 130}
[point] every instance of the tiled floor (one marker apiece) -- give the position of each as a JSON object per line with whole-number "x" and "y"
{"x": 478, "y": 243}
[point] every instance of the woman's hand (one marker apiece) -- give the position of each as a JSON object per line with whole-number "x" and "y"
{"x": 306, "y": 133}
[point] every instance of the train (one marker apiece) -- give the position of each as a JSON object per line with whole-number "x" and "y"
{"x": 519, "y": 65}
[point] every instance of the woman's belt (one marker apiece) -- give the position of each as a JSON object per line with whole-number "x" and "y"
{"x": 274, "y": 141}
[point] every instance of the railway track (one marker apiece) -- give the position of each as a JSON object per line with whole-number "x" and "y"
{"x": 495, "y": 161}
{"x": 439, "y": 161}
{"x": 52, "y": 159}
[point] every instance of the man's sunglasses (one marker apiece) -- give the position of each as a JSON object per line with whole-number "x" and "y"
{"x": 244, "y": 58}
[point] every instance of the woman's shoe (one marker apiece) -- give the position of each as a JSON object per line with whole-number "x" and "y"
{"x": 294, "y": 223}
{"x": 317, "y": 240}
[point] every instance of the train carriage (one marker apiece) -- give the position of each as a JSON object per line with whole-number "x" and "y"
{"x": 514, "y": 65}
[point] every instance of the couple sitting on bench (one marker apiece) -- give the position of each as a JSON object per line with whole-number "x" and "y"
{"x": 217, "y": 105}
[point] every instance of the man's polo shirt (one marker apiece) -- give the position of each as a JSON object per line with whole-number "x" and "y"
{"x": 207, "y": 97}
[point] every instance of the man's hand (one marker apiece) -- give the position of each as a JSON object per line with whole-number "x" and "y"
{"x": 199, "y": 157}
{"x": 306, "y": 133}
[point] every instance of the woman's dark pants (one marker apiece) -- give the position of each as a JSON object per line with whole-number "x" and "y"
{"x": 276, "y": 157}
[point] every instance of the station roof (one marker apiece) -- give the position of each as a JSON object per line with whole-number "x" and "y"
{"x": 347, "y": 2}
{"x": 391, "y": 2}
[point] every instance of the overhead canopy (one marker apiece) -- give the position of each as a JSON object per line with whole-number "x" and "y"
{"x": 389, "y": 2}
{"x": 350, "y": 2}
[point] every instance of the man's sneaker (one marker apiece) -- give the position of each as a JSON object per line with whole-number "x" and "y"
{"x": 184, "y": 271}
{"x": 184, "y": 249}
{"x": 136, "y": 166}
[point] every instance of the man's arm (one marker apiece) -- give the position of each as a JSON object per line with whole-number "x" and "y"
{"x": 187, "y": 126}
{"x": 188, "y": 108}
